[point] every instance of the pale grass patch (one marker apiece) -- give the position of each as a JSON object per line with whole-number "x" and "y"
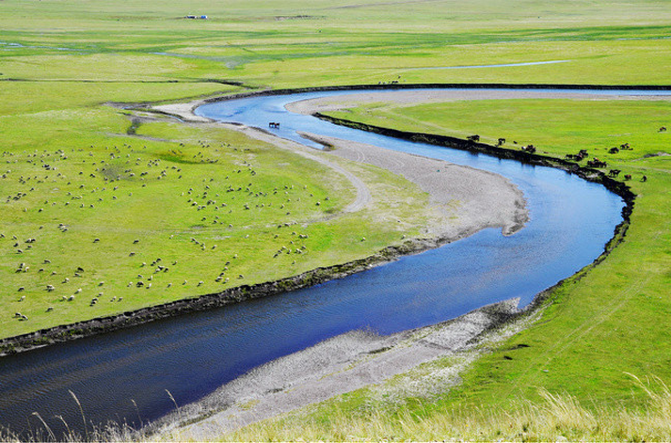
{"x": 557, "y": 417}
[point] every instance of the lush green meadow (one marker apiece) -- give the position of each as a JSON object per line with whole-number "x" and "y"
{"x": 112, "y": 191}
{"x": 96, "y": 221}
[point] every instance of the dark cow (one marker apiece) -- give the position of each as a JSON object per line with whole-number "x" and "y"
{"x": 596, "y": 163}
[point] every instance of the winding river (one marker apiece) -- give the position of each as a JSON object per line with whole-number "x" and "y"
{"x": 125, "y": 375}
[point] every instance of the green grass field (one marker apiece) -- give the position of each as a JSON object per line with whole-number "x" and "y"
{"x": 64, "y": 150}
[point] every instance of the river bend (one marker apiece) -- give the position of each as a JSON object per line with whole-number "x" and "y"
{"x": 124, "y": 375}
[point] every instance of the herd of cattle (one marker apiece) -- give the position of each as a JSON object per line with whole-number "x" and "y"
{"x": 581, "y": 155}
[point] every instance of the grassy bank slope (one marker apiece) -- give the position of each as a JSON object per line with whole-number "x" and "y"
{"x": 597, "y": 329}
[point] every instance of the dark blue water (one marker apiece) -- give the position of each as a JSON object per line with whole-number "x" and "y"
{"x": 191, "y": 356}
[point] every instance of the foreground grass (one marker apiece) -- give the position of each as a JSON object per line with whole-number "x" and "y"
{"x": 566, "y": 374}
{"x": 550, "y": 418}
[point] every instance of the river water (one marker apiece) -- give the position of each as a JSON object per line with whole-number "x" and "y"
{"x": 126, "y": 375}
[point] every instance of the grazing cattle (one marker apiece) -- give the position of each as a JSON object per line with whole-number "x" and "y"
{"x": 501, "y": 141}
{"x": 613, "y": 172}
{"x": 596, "y": 163}
{"x": 662, "y": 129}
{"x": 473, "y": 138}
{"x": 627, "y": 177}
{"x": 614, "y": 150}
{"x": 644, "y": 178}
{"x": 529, "y": 148}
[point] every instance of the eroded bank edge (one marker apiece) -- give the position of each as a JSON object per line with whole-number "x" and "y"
{"x": 87, "y": 328}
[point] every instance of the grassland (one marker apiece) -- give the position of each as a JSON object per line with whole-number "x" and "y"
{"x": 62, "y": 61}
